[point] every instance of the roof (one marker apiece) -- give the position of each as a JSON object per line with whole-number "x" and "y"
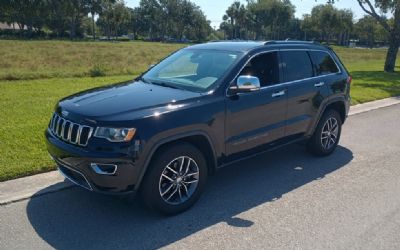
{"x": 244, "y": 46}
{"x": 230, "y": 45}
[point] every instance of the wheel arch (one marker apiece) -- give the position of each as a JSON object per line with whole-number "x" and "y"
{"x": 199, "y": 139}
{"x": 338, "y": 104}
{"x": 340, "y": 107}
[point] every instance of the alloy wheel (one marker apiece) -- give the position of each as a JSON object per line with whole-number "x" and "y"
{"x": 179, "y": 180}
{"x": 330, "y": 132}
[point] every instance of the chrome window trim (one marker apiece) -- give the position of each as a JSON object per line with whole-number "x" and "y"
{"x": 284, "y": 83}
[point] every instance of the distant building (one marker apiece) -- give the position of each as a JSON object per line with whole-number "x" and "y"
{"x": 11, "y": 26}
{"x": 353, "y": 43}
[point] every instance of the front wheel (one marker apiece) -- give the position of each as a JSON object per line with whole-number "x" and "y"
{"x": 327, "y": 134}
{"x": 175, "y": 180}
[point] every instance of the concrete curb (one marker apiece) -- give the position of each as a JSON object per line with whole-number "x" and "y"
{"x": 365, "y": 107}
{"x": 40, "y": 184}
{"x": 31, "y": 186}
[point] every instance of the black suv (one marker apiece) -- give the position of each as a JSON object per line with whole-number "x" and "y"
{"x": 202, "y": 108}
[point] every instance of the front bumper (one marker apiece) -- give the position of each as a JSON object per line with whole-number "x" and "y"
{"x": 76, "y": 164}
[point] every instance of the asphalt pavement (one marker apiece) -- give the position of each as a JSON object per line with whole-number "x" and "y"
{"x": 286, "y": 199}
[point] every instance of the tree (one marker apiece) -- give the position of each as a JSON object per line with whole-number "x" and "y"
{"x": 200, "y": 28}
{"x": 5, "y": 9}
{"x": 325, "y": 19}
{"x": 307, "y": 26}
{"x": 235, "y": 16}
{"x": 56, "y": 19}
{"x": 27, "y": 13}
{"x": 369, "y": 31}
{"x": 259, "y": 19}
{"x": 114, "y": 19}
{"x": 77, "y": 9}
{"x": 170, "y": 20}
{"x": 95, "y": 8}
{"x": 66, "y": 17}
{"x": 345, "y": 26}
{"x": 393, "y": 28}
{"x": 150, "y": 14}
{"x": 327, "y": 23}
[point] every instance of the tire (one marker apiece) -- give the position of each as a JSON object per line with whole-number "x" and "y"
{"x": 327, "y": 134}
{"x": 171, "y": 184}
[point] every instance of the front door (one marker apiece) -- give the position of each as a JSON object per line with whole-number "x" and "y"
{"x": 256, "y": 118}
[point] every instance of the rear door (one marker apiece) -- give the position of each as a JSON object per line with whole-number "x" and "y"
{"x": 328, "y": 72}
{"x": 305, "y": 91}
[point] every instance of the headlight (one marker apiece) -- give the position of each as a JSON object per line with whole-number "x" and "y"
{"x": 115, "y": 134}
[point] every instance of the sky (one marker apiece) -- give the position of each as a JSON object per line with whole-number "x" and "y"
{"x": 215, "y": 9}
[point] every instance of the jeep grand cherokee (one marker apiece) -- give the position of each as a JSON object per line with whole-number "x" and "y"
{"x": 203, "y": 107}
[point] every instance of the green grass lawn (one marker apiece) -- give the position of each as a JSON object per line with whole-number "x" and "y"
{"x": 370, "y": 82}
{"x": 26, "y": 107}
{"x": 49, "y": 59}
{"x": 49, "y": 70}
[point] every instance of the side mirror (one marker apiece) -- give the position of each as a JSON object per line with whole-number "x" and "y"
{"x": 246, "y": 84}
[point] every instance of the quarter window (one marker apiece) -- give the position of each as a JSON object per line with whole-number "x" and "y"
{"x": 296, "y": 65}
{"x": 323, "y": 63}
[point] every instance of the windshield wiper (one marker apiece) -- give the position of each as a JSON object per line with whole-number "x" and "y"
{"x": 158, "y": 83}
{"x": 164, "y": 84}
{"x": 144, "y": 80}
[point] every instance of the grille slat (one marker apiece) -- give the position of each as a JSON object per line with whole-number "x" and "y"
{"x": 58, "y": 128}
{"x": 55, "y": 123}
{"x": 70, "y": 132}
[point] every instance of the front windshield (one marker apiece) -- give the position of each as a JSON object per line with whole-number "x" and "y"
{"x": 194, "y": 70}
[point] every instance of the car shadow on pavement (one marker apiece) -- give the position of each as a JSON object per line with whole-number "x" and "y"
{"x": 78, "y": 219}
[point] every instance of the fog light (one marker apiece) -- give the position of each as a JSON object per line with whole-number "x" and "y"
{"x": 104, "y": 169}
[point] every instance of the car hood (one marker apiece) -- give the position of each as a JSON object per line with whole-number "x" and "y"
{"x": 124, "y": 101}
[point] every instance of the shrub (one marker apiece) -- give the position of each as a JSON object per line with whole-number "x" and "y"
{"x": 97, "y": 70}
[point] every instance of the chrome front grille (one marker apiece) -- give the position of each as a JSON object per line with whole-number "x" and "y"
{"x": 69, "y": 131}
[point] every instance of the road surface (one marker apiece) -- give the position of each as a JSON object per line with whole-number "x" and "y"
{"x": 280, "y": 200}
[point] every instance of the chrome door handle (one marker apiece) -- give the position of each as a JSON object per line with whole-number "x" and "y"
{"x": 320, "y": 84}
{"x": 279, "y": 93}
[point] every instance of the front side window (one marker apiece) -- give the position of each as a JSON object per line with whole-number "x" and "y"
{"x": 194, "y": 70}
{"x": 323, "y": 63}
{"x": 296, "y": 65}
{"x": 265, "y": 67}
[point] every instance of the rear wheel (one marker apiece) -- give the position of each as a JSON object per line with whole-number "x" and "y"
{"x": 327, "y": 134}
{"x": 175, "y": 180}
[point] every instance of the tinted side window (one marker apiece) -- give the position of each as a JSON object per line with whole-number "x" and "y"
{"x": 297, "y": 65}
{"x": 265, "y": 67}
{"x": 323, "y": 63}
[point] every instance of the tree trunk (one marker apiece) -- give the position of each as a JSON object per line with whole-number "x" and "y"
{"x": 72, "y": 32}
{"x": 72, "y": 27}
{"x": 93, "y": 28}
{"x": 391, "y": 56}
{"x": 108, "y": 30}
